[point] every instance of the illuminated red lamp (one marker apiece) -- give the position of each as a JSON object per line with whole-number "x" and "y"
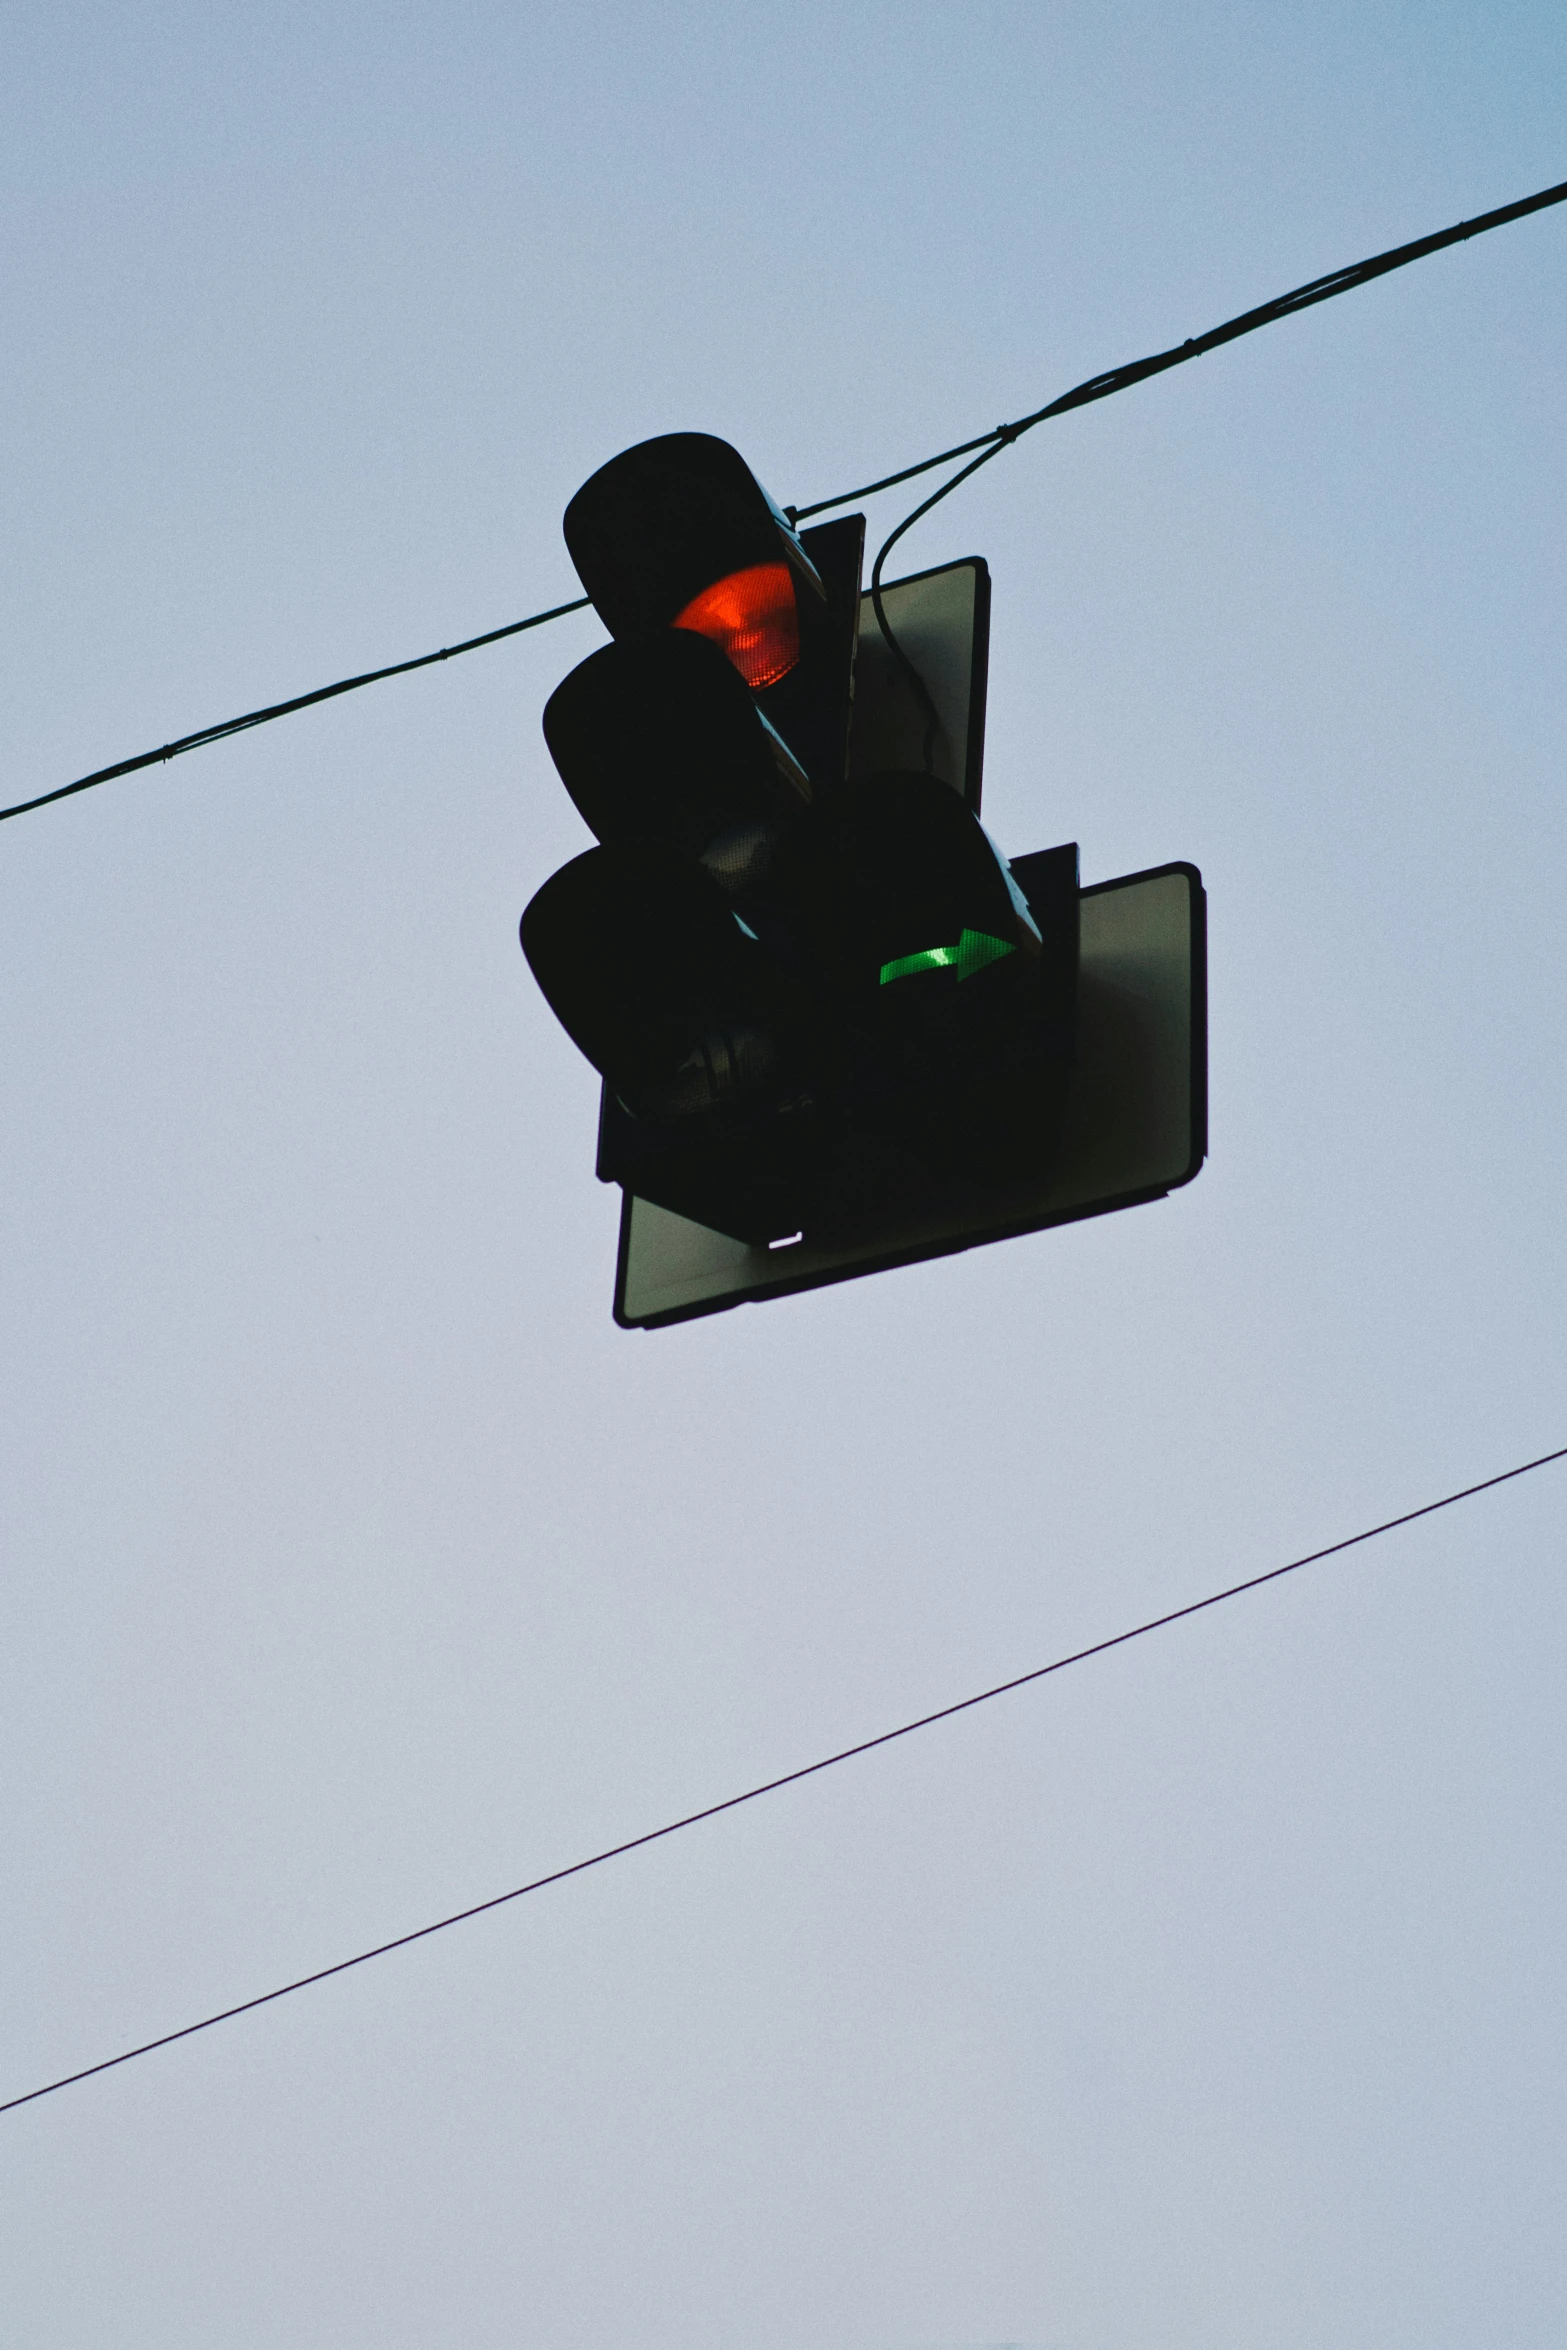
{"x": 751, "y": 617}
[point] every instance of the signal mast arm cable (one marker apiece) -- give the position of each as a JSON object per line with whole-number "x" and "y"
{"x": 989, "y": 444}
{"x": 827, "y": 1762}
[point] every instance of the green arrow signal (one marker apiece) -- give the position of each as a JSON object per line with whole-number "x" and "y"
{"x": 973, "y": 951}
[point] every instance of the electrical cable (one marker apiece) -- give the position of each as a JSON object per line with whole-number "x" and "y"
{"x": 788, "y": 1779}
{"x": 1097, "y": 387}
{"x": 921, "y": 691}
{"x": 324, "y": 693}
{"x": 1120, "y": 379}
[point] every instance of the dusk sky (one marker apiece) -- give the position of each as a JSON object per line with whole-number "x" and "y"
{"x": 357, "y": 1567}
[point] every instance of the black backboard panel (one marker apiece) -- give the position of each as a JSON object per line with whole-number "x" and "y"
{"x": 1136, "y": 1123}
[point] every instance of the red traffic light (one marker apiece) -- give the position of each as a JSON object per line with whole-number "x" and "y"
{"x": 667, "y": 521}
{"x": 753, "y": 618}
{"x": 677, "y": 535}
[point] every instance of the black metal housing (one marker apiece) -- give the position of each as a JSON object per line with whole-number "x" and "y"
{"x": 663, "y": 520}
{"x": 661, "y": 746}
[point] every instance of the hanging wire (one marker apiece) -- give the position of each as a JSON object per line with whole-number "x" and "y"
{"x": 828, "y": 1762}
{"x": 1097, "y": 387}
{"x": 912, "y": 676}
{"x": 323, "y": 693}
{"x": 1120, "y": 379}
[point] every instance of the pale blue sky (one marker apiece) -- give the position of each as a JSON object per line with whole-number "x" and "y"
{"x": 356, "y": 1566}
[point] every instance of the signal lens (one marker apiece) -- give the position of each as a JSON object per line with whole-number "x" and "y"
{"x": 975, "y": 948}
{"x": 751, "y": 616}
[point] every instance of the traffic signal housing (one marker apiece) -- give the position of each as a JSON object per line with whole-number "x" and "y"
{"x": 820, "y": 1000}
{"x": 677, "y": 533}
{"x": 711, "y": 728}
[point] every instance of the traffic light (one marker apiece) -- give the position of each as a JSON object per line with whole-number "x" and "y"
{"x": 712, "y": 726}
{"x": 814, "y": 1000}
{"x": 677, "y": 533}
{"x": 1135, "y": 1127}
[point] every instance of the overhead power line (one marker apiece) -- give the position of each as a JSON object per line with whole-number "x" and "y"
{"x": 827, "y": 1762}
{"x": 322, "y": 693}
{"x": 990, "y": 444}
{"x": 1120, "y": 379}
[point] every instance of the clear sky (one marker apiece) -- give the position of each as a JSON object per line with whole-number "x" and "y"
{"x": 357, "y": 1567}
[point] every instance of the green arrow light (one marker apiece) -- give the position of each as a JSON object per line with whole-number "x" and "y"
{"x": 973, "y": 951}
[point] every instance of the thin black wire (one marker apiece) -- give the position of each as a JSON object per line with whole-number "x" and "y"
{"x": 828, "y": 1762}
{"x": 1097, "y": 387}
{"x": 890, "y": 481}
{"x": 325, "y": 693}
{"x": 1120, "y": 379}
{"x": 916, "y": 682}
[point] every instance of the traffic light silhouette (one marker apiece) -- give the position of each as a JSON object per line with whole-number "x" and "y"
{"x": 811, "y": 999}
